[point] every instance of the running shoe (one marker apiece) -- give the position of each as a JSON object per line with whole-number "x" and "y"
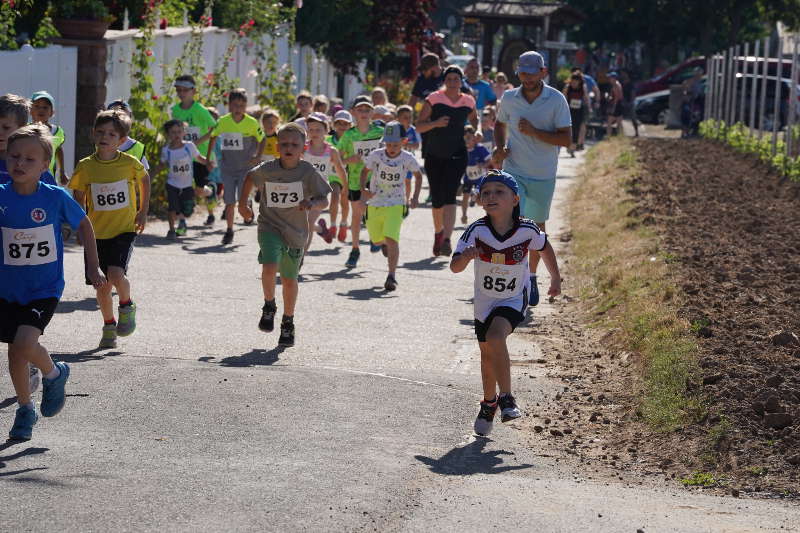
{"x": 267, "y": 322}
{"x": 323, "y": 231}
{"x": 534, "y": 299}
{"x": 446, "y": 248}
{"x": 437, "y": 243}
{"x": 53, "y": 394}
{"x": 210, "y": 220}
{"x": 127, "y": 319}
{"x": 24, "y": 421}
{"x": 34, "y": 378}
{"x": 228, "y": 237}
{"x": 109, "y": 338}
{"x": 485, "y": 419}
{"x": 171, "y": 234}
{"x": 508, "y": 408}
{"x": 342, "y": 235}
{"x": 287, "y": 334}
{"x": 374, "y": 248}
{"x": 352, "y": 259}
{"x": 391, "y": 283}
{"x": 181, "y": 231}
{"x": 331, "y": 234}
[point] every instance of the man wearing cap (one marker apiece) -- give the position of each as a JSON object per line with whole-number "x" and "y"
{"x": 481, "y": 90}
{"x": 533, "y": 121}
{"x": 43, "y": 107}
{"x": 615, "y": 109}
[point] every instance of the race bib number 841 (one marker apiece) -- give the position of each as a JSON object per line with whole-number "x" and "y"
{"x": 29, "y": 246}
{"x": 232, "y": 141}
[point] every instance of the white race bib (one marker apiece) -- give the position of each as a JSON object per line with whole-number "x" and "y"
{"x": 500, "y": 281}
{"x": 29, "y": 246}
{"x": 284, "y": 194}
{"x": 110, "y": 196}
{"x": 391, "y": 176}
{"x": 180, "y": 172}
{"x": 474, "y": 172}
{"x": 192, "y": 134}
{"x": 232, "y": 141}
{"x": 576, "y": 103}
{"x": 363, "y": 148}
{"x": 320, "y": 162}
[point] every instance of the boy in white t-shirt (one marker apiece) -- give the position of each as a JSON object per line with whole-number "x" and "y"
{"x": 386, "y": 188}
{"x": 178, "y": 156}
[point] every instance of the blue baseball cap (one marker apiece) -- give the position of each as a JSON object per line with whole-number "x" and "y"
{"x": 499, "y": 176}
{"x": 119, "y": 103}
{"x": 38, "y": 95}
{"x": 393, "y": 133}
{"x": 530, "y": 63}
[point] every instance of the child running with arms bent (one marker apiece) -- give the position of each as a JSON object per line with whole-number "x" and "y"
{"x": 289, "y": 188}
{"x": 499, "y": 244}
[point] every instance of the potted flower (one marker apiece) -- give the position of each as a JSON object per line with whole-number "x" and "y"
{"x": 82, "y": 19}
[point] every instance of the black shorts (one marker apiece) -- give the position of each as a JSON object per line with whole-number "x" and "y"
{"x": 354, "y": 196}
{"x": 514, "y": 317}
{"x": 115, "y": 252}
{"x": 180, "y": 200}
{"x": 36, "y": 313}
{"x": 444, "y": 177}
{"x": 200, "y": 174}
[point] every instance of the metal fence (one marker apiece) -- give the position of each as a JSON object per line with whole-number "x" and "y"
{"x": 755, "y": 84}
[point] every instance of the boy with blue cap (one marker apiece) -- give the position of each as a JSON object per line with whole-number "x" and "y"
{"x": 533, "y": 121}
{"x": 43, "y": 107}
{"x": 386, "y": 187}
{"x": 500, "y": 243}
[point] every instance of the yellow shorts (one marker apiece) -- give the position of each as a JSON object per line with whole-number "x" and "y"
{"x": 384, "y": 222}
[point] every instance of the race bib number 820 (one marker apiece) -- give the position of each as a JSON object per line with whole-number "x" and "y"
{"x": 29, "y": 246}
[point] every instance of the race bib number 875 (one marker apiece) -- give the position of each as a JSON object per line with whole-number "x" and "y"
{"x": 110, "y": 196}
{"x": 29, "y": 246}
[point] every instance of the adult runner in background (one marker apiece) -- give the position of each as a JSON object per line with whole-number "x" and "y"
{"x": 533, "y": 120}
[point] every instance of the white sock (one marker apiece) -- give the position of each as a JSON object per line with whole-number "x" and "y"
{"x": 53, "y": 374}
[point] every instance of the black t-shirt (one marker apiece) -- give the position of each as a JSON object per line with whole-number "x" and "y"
{"x": 425, "y": 86}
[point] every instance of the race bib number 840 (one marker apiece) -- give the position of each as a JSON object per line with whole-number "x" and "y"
{"x": 29, "y": 246}
{"x": 110, "y": 196}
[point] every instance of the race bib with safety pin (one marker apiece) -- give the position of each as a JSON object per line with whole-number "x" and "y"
{"x": 192, "y": 134}
{"x": 500, "y": 281}
{"x": 29, "y": 246}
{"x": 474, "y": 173}
{"x": 284, "y": 194}
{"x": 110, "y": 196}
{"x": 232, "y": 141}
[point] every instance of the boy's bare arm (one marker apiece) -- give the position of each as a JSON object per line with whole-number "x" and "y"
{"x": 460, "y": 261}
{"x": 86, "y": 237}
{"x": 212, "y": 142}
{"x": 548, "y": 256}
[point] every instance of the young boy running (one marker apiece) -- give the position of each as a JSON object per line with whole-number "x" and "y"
{"x": 355, "y": 146}
{"x": 342, "y": 121}
{"x": 199, "y": 125}
{"x": 404, "y": 116}
{"x": 13, "y": 115}
{"x": 107, "y": 182}
{"x": 270, "y": 121}
{"x": 325, "y": 158}
{"x": 42, "y": 110}
{"x": 477, "y": 159}
{"x": 304, "y": 103}
{"x": 387, "y": 195}
{"x": 499, "y": 244}
{"x": 129, "y": 144}
{"x": 32, "y": 271}
{"x": 242, "y": 143}
{"x": 290, "y": 187}
{"x": 179, "y": 156}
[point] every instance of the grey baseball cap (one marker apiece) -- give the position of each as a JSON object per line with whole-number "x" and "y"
{"x": 343, "y": 115}
{"x": 393, "y": 132}
{"x": 530, "y": 63}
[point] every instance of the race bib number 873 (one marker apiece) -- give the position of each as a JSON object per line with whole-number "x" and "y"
{"x": 284, "y": 194}
{"x": 110, "y": 196}
{"x": 29, "y": 246}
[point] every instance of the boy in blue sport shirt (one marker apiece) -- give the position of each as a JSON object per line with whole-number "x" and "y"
{"x": 13, "y": 115}
{"x": 477, "y": 162}
{"x": 32, "y": 270}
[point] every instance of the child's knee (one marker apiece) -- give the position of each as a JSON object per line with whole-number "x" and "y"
{"x": 115, "y": 275}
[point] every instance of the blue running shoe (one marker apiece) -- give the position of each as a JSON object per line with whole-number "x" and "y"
{"x": 534, "y": 299}
{"x": 53, "y": 394}
{"x": 23, "y": 423}
{"x": 374, "y": 248}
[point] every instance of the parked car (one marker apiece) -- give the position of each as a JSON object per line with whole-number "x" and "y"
{"x": 653, "y": 108}
{"x": 675, "y": 74}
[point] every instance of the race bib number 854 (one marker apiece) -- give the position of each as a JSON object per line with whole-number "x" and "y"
{"x": 29, "y": 246}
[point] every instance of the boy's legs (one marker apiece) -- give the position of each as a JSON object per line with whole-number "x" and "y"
{"x": 344, "y": 203}
{"x": 268, "y": 273}
{"x": 26, "y": 349}
{"x": 171, "y": 218}
{"x": 290, "y": 290}
{"x": 334, "y": 205}
{"x": 497, "y": 352}
{"x": 393, "y": 249}
{"x": 357, "y": 209}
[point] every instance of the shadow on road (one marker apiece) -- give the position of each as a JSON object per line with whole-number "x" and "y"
{"x": 7, "y": 402}
{"x": 257, "y": 357}
{"x": 467, "y": 321}
{"x": 367, "y": 294}
{"x": 84, "y": 356}
{"x": 213, "y": 249}
{"x": 28, "y": 451}
{"x": 87, "y": 304}
{"x": 470, "y": 459}
{"x": 429, "y": 263}
{"x": 344, "y": 273}
{"x": 323, "y": 251}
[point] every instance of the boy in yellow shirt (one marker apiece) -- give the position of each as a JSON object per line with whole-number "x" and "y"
{"x": 107, "y": 183}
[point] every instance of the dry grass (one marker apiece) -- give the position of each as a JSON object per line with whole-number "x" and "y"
{"x": 626, "y": 283}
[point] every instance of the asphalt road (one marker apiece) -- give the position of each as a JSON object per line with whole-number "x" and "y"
{"x": 199, "y": 423}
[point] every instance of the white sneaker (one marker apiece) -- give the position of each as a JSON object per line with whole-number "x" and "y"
{"x": 508, "y": 408}
{"x": 35, "y": 378}
{"x": 485, "y": 420}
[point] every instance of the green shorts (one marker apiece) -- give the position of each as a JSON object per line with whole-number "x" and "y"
{"x": 274, "y": 251}
{"x": 535, "y": 197}
{"x": 384, "y": 222}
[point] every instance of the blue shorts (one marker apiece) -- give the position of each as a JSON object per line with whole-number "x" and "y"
{"x": 535, "y": 197}
{"x": 469, "y": 184}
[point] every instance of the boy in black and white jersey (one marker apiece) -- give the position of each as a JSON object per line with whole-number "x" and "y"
{"x": 499, "y": 243}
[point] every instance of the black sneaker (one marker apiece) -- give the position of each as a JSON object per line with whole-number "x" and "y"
{"x": 391, "y": 283}
{"x": 352, "y": 259}
{"x": 446, "y": 249}
{"x": 267, "y": 322}
{"x": 485, "y": 419}
{"x": 508, "y": 408}
{"x": 228, "y": 237}
{"x": 210, "y": 220}
{"x": 287, "y": 334}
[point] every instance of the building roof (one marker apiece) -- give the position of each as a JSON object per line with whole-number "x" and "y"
{"x": 516, "y": 10}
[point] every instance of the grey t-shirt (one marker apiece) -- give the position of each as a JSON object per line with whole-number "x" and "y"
{"x": 282, "y": 190}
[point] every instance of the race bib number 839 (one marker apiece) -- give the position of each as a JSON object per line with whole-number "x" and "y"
{"x": 29, "y": 246}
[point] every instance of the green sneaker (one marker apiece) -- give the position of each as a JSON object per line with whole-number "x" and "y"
{"x": 109, "y": 339}
{"x": 181, "y": 229}
{"x": 127, "y": 320}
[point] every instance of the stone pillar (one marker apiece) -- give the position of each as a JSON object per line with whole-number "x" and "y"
{"x": 91, "y": 91}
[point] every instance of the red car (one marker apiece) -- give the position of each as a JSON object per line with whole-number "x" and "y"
{"x": 673, "y": 75}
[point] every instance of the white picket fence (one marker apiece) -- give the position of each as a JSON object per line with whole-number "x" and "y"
{"x": 52, "y": 69}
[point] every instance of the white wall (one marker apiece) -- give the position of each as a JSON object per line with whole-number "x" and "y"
{"x": 52, "y": 69}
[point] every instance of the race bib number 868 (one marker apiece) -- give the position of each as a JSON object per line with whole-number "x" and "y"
{"x": 110, "y": 196}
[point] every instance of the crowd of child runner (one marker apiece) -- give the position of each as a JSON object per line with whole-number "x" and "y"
{"x": 359, "y": 163}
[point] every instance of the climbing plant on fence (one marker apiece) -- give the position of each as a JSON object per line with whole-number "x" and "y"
{"x": 738, "y": 136}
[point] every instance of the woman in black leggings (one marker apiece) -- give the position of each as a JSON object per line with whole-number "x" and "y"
{"x": 441, "y": 123}
{"x": 578, "y": 100}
